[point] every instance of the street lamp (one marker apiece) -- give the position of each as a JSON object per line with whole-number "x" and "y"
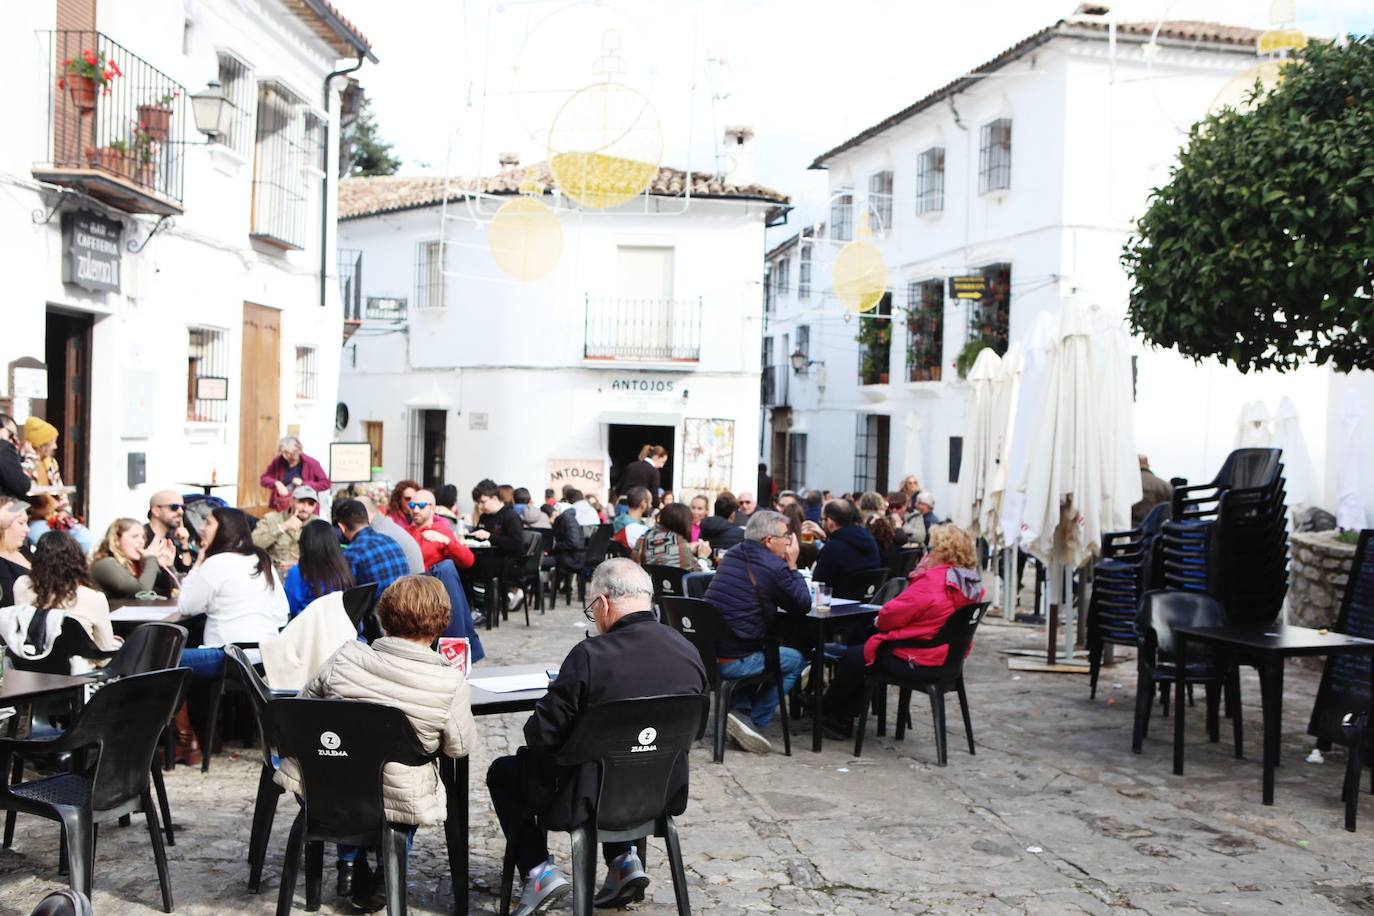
{"x": 800, "y": 363}
{"x": 211, "y": 110}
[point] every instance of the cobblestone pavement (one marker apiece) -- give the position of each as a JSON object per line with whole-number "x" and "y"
{"x": 1053, "y": 815}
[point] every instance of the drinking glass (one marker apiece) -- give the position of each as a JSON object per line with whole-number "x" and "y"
{"x": 823, "y": 593}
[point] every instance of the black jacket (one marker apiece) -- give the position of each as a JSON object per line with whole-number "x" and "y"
{"x": 721, "y": 532}
{"x": 507, "y": 532}
{"x": 639, "y": 657}
{"x": 569, "y": 542}
{"x": 13, "y": 480}
{"x": 748, "y": 604}
{"x": 640, "y": 474}
{"x": 848, "y": 550}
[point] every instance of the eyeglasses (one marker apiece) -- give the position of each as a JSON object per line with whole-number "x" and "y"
{"x": 588, "y": 612}
{"x": 415, "y": 505}
{"x": 175, "y": 507}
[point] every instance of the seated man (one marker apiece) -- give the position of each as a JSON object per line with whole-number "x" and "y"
{"x": 372, "y": 557}
{"x": 721, "y": 529}
{"x": 754, "y": 581}
{"x": 279, "y": 533}
{"x": 500, "y": 526}
{"x": 849, "y": 546}
{"x": 635, "y": 656}
{"x": 925, "y": 507}
{"x": 630, "y": 526}
{"x": 530, "y": 514}
{"x": 386, "y": 526}
{"x": 166, "y": 517}
{"x": 444, "y": 555}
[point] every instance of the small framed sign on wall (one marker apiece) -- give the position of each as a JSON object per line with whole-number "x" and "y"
{"x": 212, "y": 388}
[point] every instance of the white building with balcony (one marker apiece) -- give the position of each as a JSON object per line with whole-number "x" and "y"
{"x": 1024, "y": 175}
{"x": 171, "y": 304}
{"x": 645, "y": 332}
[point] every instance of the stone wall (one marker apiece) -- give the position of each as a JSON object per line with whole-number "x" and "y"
{"x": 1320, "y": 568}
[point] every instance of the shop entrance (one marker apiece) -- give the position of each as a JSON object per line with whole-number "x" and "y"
{"x": 68, "y": 407}
{"x": 624, "y": 440}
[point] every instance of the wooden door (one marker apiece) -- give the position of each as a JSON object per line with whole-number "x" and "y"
{"x": 372, "y": 432}
{"x": 260, "y": 402}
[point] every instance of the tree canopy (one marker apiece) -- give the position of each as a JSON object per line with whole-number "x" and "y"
{"x": 369, "y": 153}
{"x": 1260, "y": 249}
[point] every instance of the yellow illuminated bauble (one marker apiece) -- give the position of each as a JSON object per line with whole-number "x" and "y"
{"x": 1237, "y": 90}
{"x": 859, "y": 276}
{"x": 525, "y": 238}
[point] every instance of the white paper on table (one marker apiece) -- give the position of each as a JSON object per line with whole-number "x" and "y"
{"x": 142, "y": 614}
{"x": 843, "y": 602}
{"x": 511, "y": 683}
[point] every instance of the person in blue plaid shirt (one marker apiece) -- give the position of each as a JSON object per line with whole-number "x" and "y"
{"x": 373, "y": 557}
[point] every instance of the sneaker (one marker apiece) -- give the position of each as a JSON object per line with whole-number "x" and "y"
{"x": 514, "y": 597}
{"x": 542, "y": 890}
{"x": 746, "y": 736}
{"x": 804, "y": 679}
{"x": 625, "y": 882}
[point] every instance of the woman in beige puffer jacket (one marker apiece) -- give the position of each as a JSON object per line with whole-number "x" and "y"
{"x": 401, "y": 670}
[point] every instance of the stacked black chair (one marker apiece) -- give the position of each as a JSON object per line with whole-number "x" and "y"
{"x": 634, "y": 784}
{"x": 548, "y": 567}
{"x": 935, "y": 681}
{"x": 530, "y": 578}
{"x": 1128, "y": 569}
{"x": 1228, "y": 538}
{"x": 1159, "y": 613}
{"x": 117, "y": 734}
{"x": 862, "y": 585}
{"x": 701, "y": 623}
{"x": 265, "y": 804}
{"x": 341, "y": 793}
{"x": 668, "y": 583}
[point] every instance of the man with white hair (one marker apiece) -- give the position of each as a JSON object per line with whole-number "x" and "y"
{"x": 633, "y": 656}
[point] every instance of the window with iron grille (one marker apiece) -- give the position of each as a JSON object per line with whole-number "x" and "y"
{"x": 880, "y": 200}
{"x": 429, "y": 275}
{"x": 766, "y": 378}
{"x": 305, "y": 373}
{"x": 804, "y": 341}
{"x": 207, "y": 357}
{"x": 842, "y": 216}
{"x": 990, "y": 318}
{"x": 287, "y": 161}
{"x": 871, "y": 434}
{"x": 236, "y": 82}
{"x": 796, "y": 460}
{"x": 925, "y": 326}
{"x": 768, "y": 290}
{"x": 782, "y": 271}
{"x": 994, "y": 156}
{"x": 804, "y": 271}
{"x": 875, "y": 343}
{"x": 930, "y": 180}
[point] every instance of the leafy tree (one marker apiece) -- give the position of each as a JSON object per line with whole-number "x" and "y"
{"x": 369, "y": 153}
{"x": 1260, "y": 249}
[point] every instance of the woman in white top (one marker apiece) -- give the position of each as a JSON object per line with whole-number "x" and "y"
{"x": 234, "y": 586}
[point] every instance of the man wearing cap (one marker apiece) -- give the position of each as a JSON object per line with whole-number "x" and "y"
{"x": 279, "y": 533}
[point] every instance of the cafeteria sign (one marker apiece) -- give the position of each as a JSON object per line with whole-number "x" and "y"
{"x": 587, "y": 474}
{"x": 971, "y": 287}
{"x": 90, "y": 251}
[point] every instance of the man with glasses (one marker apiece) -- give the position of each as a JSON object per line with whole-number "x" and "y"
{"x": 444, "y": 555}
{"x": 167, "y": 519}
{"x": 633, "y": 656}
{"x": 13, "y": 481}
{"x": 745, "y": 509}
{"x": 755, "y": 580}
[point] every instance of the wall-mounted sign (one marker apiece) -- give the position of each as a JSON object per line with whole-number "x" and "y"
{"x": 477, "y": 421}
{"x": 91, "y": 251}
{"x": 587, "y": 474}
{"x": 350, "y": 462}
{"x": 212, "y": 388}
{"x": 645, "y": 383}
{"x": 971, "y": 287}
{"x": 29, "y": 383}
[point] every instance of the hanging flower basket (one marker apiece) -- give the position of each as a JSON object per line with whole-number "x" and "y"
{"x": 82, "y": 90}
{"x": 84, "y": 75}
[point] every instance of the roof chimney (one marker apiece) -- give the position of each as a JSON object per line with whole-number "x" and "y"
{"x": 739, "y": 155}
{"x": 1092, "y": 9}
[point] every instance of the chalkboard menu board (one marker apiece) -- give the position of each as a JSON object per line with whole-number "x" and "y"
{"x": 1346, "y": 680}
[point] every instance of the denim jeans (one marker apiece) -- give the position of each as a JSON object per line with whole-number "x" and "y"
{"x": 351, "y": 853}
{"x": 460, "y": 623}
{"x": 205, "y": 663}
{"x": 761, "y": 701}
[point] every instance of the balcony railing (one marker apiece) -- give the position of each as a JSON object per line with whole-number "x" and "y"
{"x": 118, "y": 135}
{"x": 351, "y": 283}
{"x": 645, "y": 330}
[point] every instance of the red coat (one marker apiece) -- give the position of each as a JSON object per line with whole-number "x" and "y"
{"x": 918, "y": 613}
{"x": 435, "y": 553}
{"x": 312, "y": 476}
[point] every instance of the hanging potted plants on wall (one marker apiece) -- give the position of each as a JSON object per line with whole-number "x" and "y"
{"x": 155, "y": 117}
{"x": 86, "y": 73}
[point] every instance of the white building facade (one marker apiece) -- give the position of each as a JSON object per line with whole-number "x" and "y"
{"x": 646, "y": 332}
{"x": 173, "y": 304}
{"x": 1022, "y": 178}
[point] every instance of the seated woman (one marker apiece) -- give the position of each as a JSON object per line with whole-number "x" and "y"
{"x": 400, "y": 669}
{"x": 669, "y": 542}
{"x": 234, "y": 586}
{"x": 15, "y": 554}
{"x": 122, "y": 566}
{"x": 947, "y": 582}
{"x": 322, "y": 569}
{"x": 59, "y": 581}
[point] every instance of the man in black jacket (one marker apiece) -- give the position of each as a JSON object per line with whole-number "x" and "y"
{"x": 634, "y": 656}
{"x": 849, "y": 546}
{"x": 13, "y": 480}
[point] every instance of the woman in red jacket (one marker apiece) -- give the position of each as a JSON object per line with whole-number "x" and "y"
{"x": 291, "y": 468}
{"x": 947, "y": 581}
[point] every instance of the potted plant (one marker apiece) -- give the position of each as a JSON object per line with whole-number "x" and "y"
{"x": 112, "y": 158}
{"x": 155, "y": 117}
{"x": 969, "y": 354}
{"x": 84, "y": 73}
{"x": 143, "y": 160}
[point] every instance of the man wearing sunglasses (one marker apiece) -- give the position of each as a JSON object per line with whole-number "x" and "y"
{"x": 167, "y": 519}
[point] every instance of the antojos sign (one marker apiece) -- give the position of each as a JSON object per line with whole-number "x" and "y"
{"x": 587, "y": 474}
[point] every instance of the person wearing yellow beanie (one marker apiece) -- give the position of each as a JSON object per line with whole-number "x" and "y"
{"x": 39, "y": 432}
{"x": 40, "y": 463}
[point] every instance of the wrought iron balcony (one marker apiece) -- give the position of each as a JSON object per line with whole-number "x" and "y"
{"x": 351, "y": 283}
{"x": 115, "y": 124}
{"x": 642, "y": 330}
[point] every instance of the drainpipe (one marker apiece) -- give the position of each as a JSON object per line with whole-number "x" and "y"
{"x": 324, "y": 187}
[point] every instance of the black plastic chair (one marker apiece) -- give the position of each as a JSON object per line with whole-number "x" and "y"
{"x": 1354, "y": 725}
{"x": 862, "y": 585}
{"x": 527, "y": 572}
{"x": 1128, "y": 569}
{"x": 636, "y": 744}
{"x": 72, "y": 642}
{"x": 668, "y": 583}
{"x": 904, "y": 560}
{"x": 1158, "y": 614}
{"x": 118, "y": 730}
{"x": 358, "y": 603}
{"x": 216, "y": 689}
{"x": 891, "y": 589}
{"x": 265, "y": 804}
{"x": 956, "y": 633}
{"x": 597, "y": 544}
{"x": 63, "y": 903}
{"x": 701, "y": 623}
{"x": 340, "y": 747}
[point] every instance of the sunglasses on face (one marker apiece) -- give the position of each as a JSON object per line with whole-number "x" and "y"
{"x": 175, "y": 507}
{"x": 415, "y": 505}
